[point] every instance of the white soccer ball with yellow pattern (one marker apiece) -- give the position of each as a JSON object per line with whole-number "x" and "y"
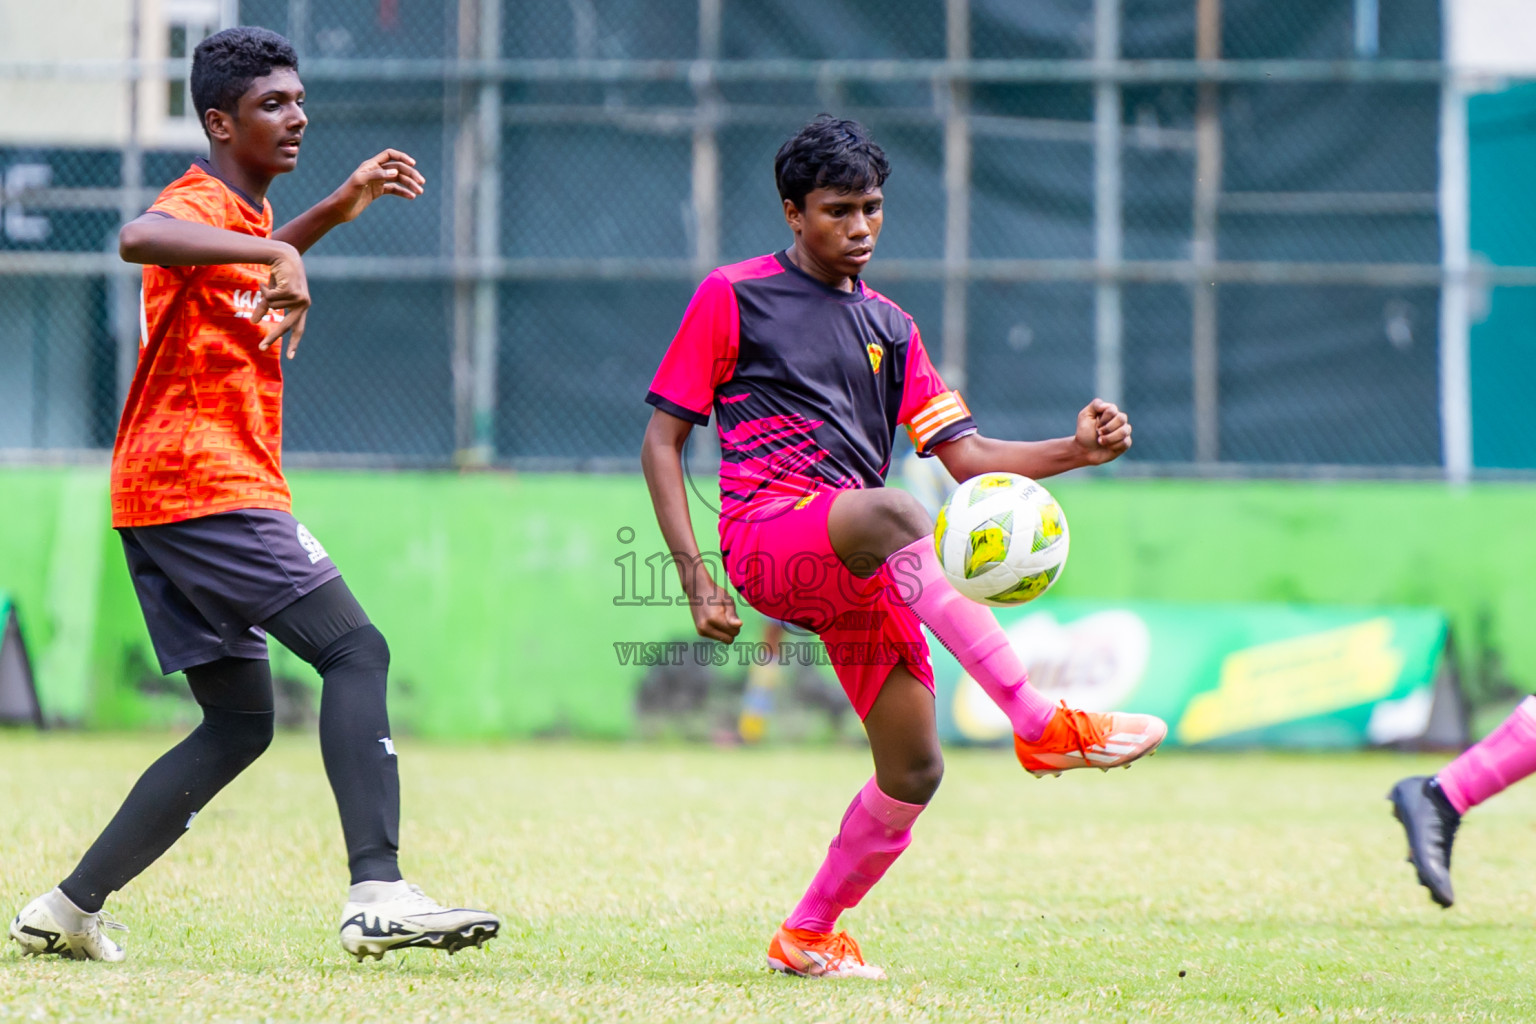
{"x": 1002, "y": 539}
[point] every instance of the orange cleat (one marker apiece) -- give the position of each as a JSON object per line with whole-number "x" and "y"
{"x": 819, "y": 955}
{"x": 1089, "y": 739}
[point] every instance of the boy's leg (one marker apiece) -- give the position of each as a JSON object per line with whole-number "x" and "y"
{"x": 1430, "y": 809}
{"x": 886, "y": 530}
{"x": 867, "y": 529}
{"x": 329, "y": 629}
{"x": 904, "y": 739}
{"x": 236, "y": 698}
{"x": 876, "y": 828}
{"x": 236, "y": 570}
{"x": 1494, "y": 763}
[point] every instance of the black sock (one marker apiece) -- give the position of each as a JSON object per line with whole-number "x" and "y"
{"x": 329, "y": 629}
{"x": 359, "y": 754}
{"x": 160, "y": 807}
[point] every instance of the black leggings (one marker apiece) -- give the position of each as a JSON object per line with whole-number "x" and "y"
{"x": 328, "y": 629}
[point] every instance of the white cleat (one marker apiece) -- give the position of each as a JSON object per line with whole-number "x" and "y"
{"x": 52, "y": 926}
{"x": 401, "y": 916}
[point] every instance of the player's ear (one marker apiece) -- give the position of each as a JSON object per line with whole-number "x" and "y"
{"x": 793, "y": 215}
{"x": 216, "y": 123}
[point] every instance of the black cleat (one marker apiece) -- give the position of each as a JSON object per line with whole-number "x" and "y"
{"x": 1431, "y": 822}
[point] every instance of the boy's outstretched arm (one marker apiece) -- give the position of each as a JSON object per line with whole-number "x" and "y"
{"x": 391, "y": 173}
{"x": 1103, "y": 434}
{"x": 161, "y": 240}
{"x": 661, "y": 458}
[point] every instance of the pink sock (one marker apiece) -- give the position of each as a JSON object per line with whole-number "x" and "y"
{"x": 972, "y": 635}
{"x": 874, "y": 832}
{"x": 1494, "y": 763}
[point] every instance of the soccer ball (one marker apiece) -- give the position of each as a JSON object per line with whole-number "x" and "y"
{"x": 1001, "y": 538}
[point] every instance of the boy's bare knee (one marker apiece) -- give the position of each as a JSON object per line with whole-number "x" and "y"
{"x": 917, "y": 780}
{"x": 902, "y": 520}
{"x": 926, "y": 776}
{"x": 906, "y": 514}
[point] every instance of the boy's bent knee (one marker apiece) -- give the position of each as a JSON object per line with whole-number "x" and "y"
{"x": 364, "y": 647}
{"x": 876, "y": 524}
{"x": 925, "y": 778}
{"x": 903, "y": 516}
{"x": 243, "y": 735}
{"x": 915, "y": 782}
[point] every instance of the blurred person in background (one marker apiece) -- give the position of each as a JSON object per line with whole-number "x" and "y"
{"x": 809, "y": 372}
{"x": 763, "y": 680}
{"x": 198, "y": 496}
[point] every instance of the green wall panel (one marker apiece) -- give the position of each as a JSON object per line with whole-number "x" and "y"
{"x": 497, "y": 592}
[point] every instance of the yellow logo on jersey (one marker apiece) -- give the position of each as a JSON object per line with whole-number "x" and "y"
{"x": 876, "y": 353}
{"x": 805, "y": 501}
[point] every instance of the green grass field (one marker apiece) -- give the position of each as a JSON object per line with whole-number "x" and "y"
{"x": 642, "y": 884}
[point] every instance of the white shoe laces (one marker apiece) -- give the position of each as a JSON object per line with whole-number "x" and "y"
{"x": 420, "y": 902}
{"x": 99, "y": 921}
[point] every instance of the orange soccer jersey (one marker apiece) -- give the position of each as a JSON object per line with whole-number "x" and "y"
{"x": 202, "y": 429}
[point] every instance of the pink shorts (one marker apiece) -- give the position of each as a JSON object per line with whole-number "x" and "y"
{"x": 778, "y": 555}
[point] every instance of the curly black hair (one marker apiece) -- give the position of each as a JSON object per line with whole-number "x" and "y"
{"x": 829, "y": 152}
{"x": 225, "y": 64}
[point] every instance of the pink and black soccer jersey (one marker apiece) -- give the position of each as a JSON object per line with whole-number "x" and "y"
{"x": 808, "y": 383}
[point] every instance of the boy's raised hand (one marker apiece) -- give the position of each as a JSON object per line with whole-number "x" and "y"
{"x": 1103, "y": 432}
{"x": 391, "y": 173}
{"x": 287, "y": 289}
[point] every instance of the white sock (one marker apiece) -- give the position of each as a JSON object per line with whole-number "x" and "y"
{"x": 378, "y": 892}
{"x": 70, "y": 917}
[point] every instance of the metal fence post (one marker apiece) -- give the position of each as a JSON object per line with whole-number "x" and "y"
{"x": 298, "y": 27}
{"x": 706, "y": 146}
{"x": 460, "y": 246}
{"x": 706, "y": 181}
{"x": 957, "y": 193}
{"x": 1367, "y": 27}
{"x": 1205, "y": 366}
{"x": 1455, "y": 289}
{"x": 127, "y": 279}
{"x": 476, "y": 195}
{"x": 1108, "y": 215}
{"x": 487, "y": 238}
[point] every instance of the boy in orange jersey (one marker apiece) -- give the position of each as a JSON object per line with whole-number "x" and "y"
{"x": 198, "y": 496}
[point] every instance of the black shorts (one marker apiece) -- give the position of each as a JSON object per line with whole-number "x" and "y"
{"x": 204, "y": 584}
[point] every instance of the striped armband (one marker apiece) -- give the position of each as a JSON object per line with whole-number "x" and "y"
{"x": 939, "y": 412}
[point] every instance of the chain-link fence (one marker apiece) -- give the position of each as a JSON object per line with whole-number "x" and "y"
{"x": 1228, "y": 217}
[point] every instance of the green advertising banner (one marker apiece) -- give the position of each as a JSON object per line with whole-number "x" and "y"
{"x": 1227, "y": 675}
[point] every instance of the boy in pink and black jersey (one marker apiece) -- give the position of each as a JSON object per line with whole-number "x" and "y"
{"x": 809, "y": 372}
